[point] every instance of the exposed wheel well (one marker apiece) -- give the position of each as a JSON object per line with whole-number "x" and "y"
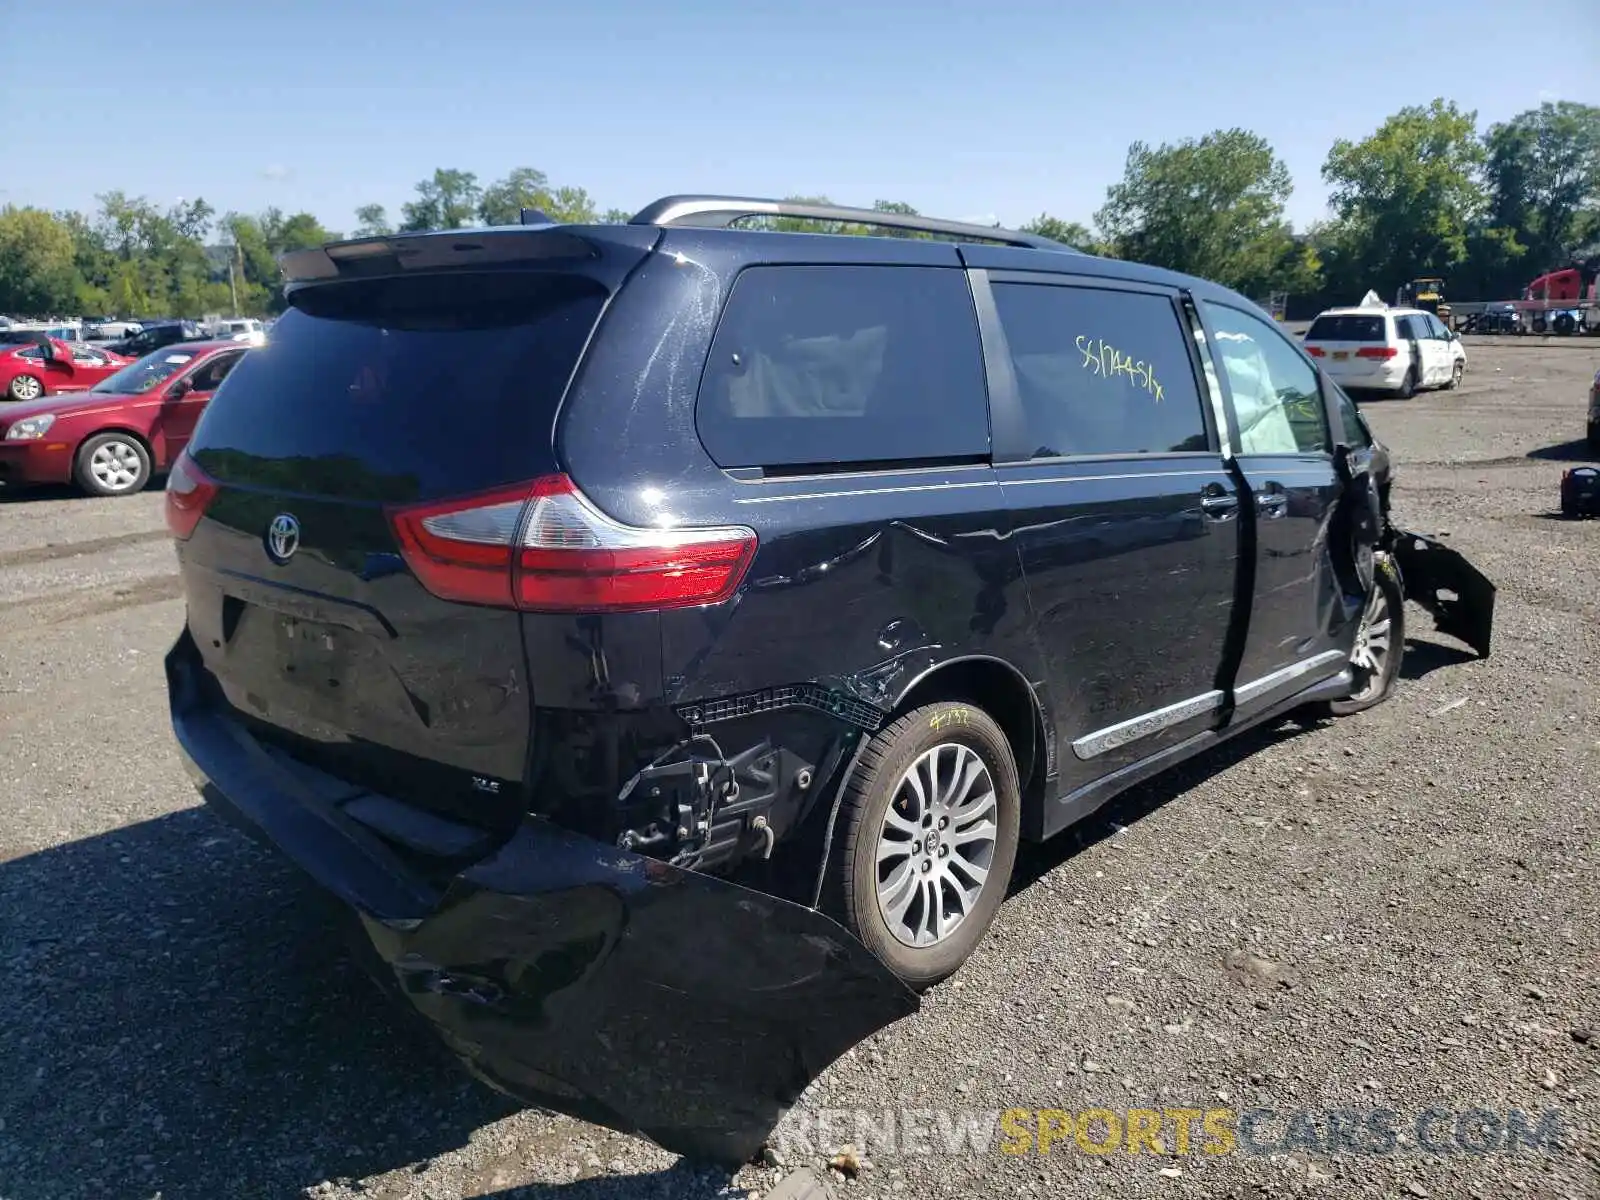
{"x": 1005, "y": 695}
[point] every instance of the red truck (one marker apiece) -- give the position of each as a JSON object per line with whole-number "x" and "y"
{"x": 1575, "y": 285}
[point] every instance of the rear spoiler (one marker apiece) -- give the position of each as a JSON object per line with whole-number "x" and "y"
{"x": 465, "y": 249}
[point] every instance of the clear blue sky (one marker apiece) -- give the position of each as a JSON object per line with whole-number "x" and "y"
{"x": 998, "y": 109}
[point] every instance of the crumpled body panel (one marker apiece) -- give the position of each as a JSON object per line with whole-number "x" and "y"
{"x": 570, "y": 974}
{"x": 636, "y": 995}
{"x": 1460, "y": 597}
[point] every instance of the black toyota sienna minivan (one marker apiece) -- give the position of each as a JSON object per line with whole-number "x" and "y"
{"x": 661, "y": 635}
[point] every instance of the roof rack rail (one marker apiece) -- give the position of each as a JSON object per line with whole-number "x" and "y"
{"x": 718, "y": 212}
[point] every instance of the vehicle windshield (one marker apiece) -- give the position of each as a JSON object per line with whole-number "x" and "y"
{"x": 150, "y": 371}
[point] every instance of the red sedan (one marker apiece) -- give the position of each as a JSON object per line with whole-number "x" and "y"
{"x": 34, "y": 365}
{"x": 112, "y": 438}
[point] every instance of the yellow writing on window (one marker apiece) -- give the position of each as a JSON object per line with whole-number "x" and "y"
{"x": 1101, "y": 358}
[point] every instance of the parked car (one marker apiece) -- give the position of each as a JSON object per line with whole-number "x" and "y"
{"x": 238, "y": 329}
{"x": 662, "y": 636}
{"x": 112, "y": 438}
{"x": 34, "y": 365}
{"x": 153, "y": 335}
{"x": 1395, "y": 350}
{"x": 110, "y": 329}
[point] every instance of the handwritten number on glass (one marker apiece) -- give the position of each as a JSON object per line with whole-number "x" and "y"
{"x": 1101, "y": 358}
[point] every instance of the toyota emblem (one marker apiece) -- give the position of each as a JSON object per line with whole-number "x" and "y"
{"x": 283, "y": 538}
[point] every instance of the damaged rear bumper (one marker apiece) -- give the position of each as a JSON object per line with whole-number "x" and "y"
{"x": 567, "y": 973}
{"x": 1460, "y": 597}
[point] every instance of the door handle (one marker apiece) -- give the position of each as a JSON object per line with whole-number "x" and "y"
{"x": 1272, "y": 504}
{"x": 1218, "y": 504}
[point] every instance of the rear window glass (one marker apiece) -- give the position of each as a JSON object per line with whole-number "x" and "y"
{"x": 1100, "y": 371}
{"x": 402, "y": 389}
{"x": 859, "y": 364}
{"x": 1346, "y": 328}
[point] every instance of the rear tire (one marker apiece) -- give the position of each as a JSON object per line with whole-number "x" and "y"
{"x": 1564, "y": 324}
{"x": 112, "y": 464}
{"x": 25, "y": 388}
{"x": 1408, "y": 388}
{"x": 1380, "y": 644}
{"x": 931, "y": 820}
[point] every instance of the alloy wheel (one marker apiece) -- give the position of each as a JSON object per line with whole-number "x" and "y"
{"x": 936, "y": 845}
{"x": 1374, "y": 643}
{"x": 26, "y": 387}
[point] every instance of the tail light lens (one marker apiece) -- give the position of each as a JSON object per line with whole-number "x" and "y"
{"x": 542, "y": 547}
{"x": 1314, "y": 351}
{"x": 189, "y": 491}
{"x": 1377, "y": 352}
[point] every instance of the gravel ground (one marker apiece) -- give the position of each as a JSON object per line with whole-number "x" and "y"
{"x": 1400, "y": 910}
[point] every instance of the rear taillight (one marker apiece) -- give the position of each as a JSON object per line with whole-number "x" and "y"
{"x": 1377, "y": 352}
{"x": 1314, "y": 351}
{"x": 542, "y": 547}
{"x": 189, "y": 491}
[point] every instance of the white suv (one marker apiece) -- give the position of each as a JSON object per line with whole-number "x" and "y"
{"x": 1394, "y": 350}
{"x": 238, "y": 329}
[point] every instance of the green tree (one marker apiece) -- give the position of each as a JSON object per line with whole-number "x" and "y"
{"x": 447, "y": 200}
{"x": 1543, "y": 175}
{"x": 123, "y": 223}
{"x": 1211, "y": 207}
{"x": 180, "y": 247}
{"x": 92, "y": 262}
{"x": 139, "y": 261}
{"x": 298, "y": 231}
{"x": 1068, "y": 233}
{"x": 257, "y": 242}
{"x": 503, "y": 201}
{"x": 191, "y": 221}
{"x": 853, "y": 228}
{"x": 798, "y": 224}
{"x": 898, "y": 207}
{"x": 128, "y": 295}
{"x": 37, "y": 271}
{"x": 615, "y": 216}
{"x": 372, "y": 221}
{"x": 1407, "y": 197}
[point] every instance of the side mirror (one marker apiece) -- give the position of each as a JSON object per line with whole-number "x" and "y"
{"x": 1344, "y": 463}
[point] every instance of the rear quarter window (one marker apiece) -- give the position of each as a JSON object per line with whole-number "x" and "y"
{"x": 1347, "y": 328}
{"x": 814, "y": 365}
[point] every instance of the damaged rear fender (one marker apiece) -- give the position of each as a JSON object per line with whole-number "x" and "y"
{"x": 566, "y": 972}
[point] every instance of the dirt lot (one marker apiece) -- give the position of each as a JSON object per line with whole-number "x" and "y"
{"x": 1398, "y": 911}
